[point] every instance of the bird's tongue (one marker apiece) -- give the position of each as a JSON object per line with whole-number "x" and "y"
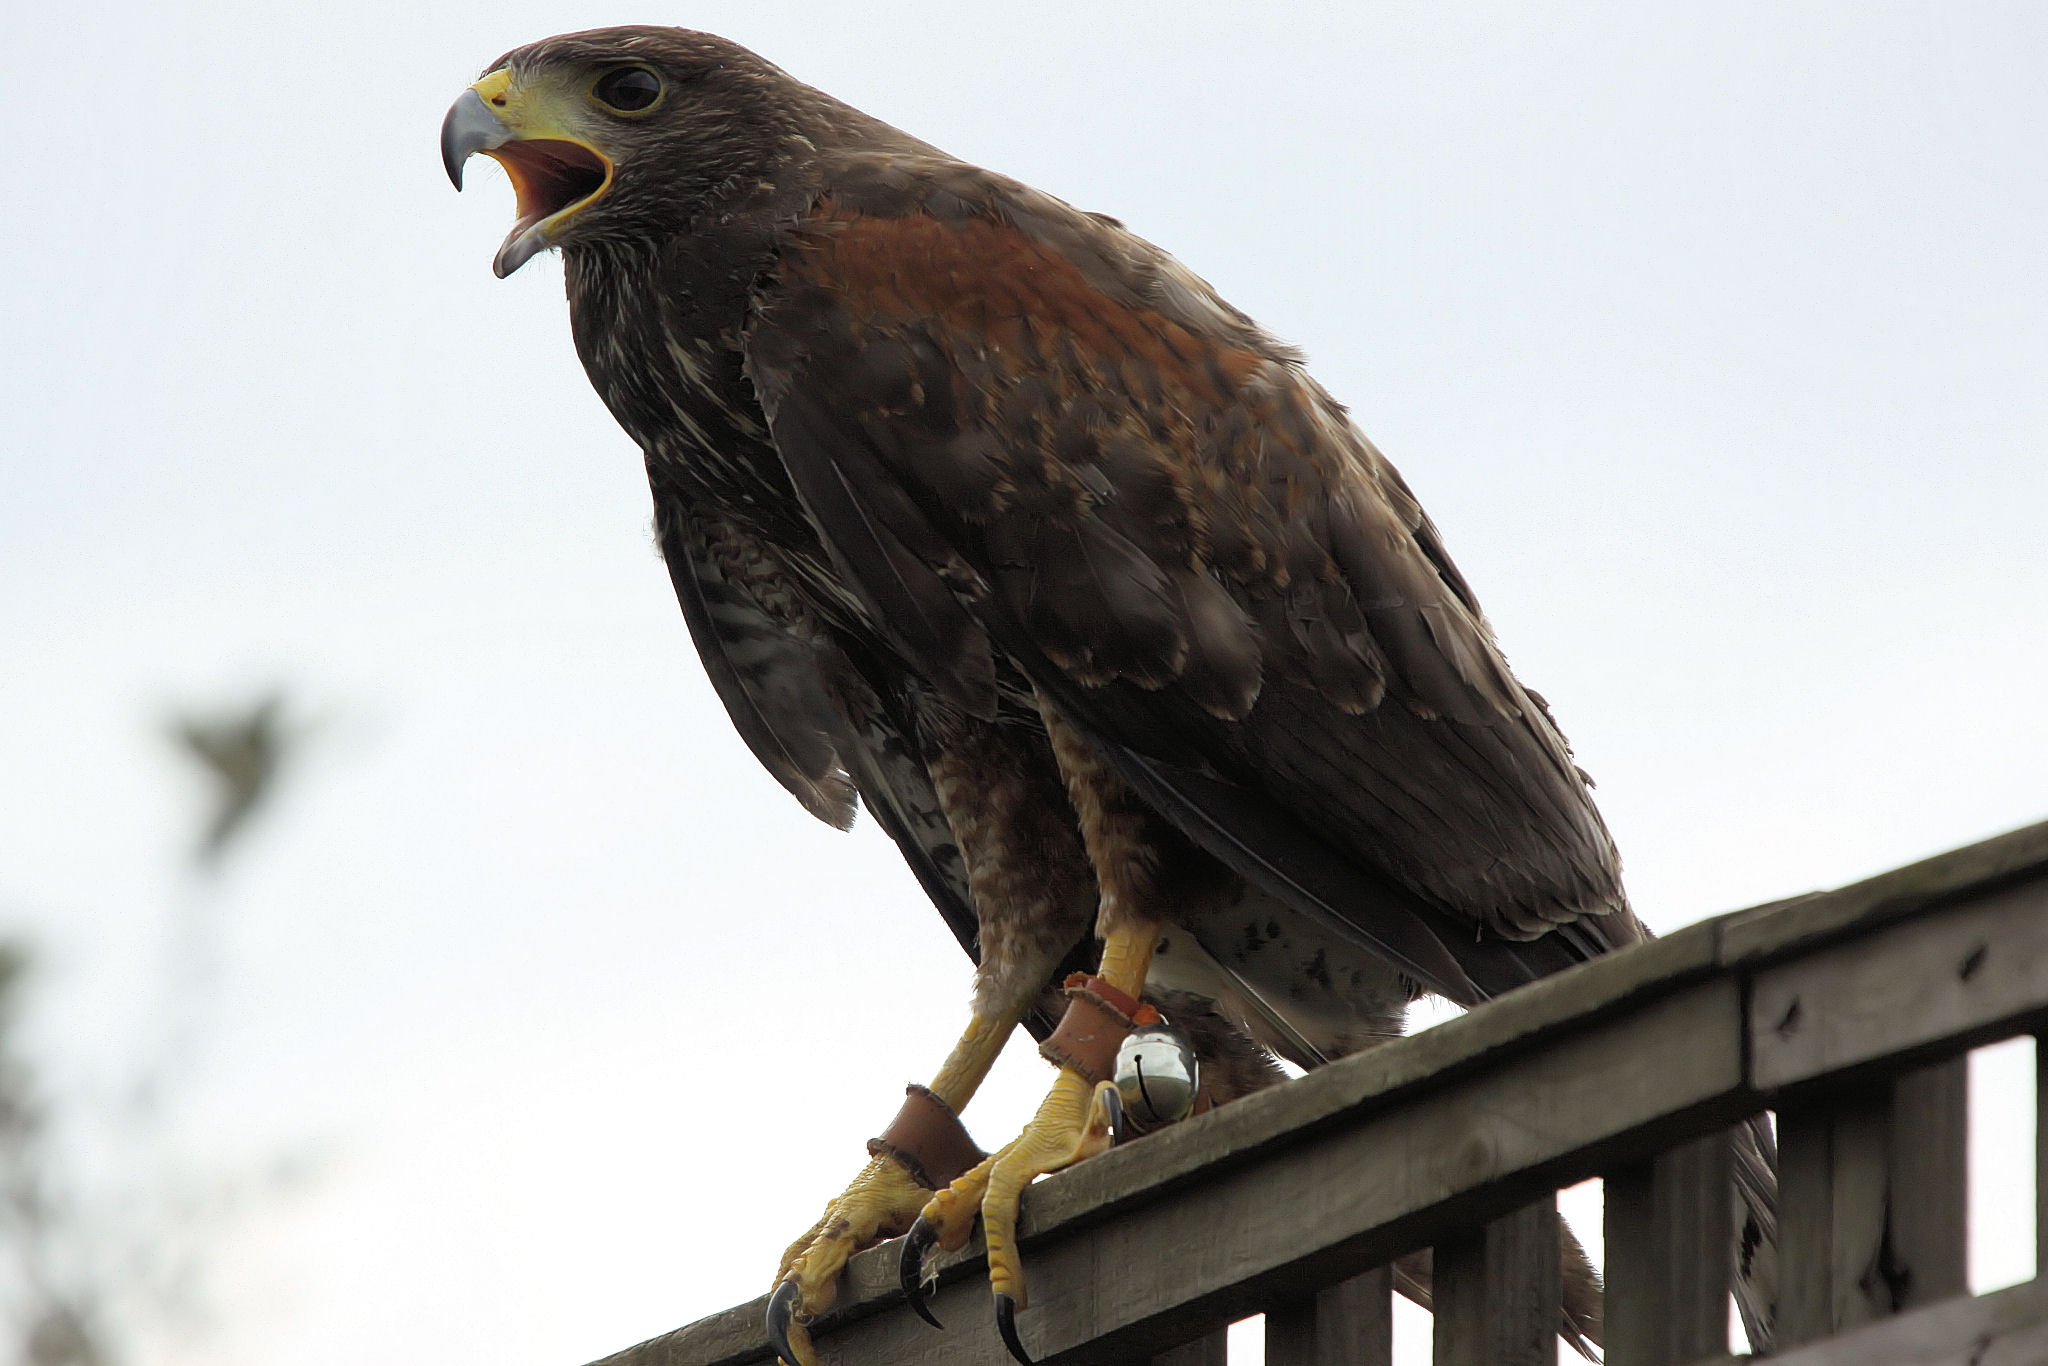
{"x": 549, "y": 175}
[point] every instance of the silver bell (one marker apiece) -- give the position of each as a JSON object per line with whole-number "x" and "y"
{"x": 1156, "y": 1073}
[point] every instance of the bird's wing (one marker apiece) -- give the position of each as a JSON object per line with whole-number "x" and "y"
{"x": 826, "y": 727}
{"x": 1014, "y": 422}
{"x": 765, "y": 673}
{"x": 896, "y": 788}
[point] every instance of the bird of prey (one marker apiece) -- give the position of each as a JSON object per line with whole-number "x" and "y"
{"x": 988, "y": 515}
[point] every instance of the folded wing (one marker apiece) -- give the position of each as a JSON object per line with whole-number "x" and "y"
{"x": 1019, "y": 428}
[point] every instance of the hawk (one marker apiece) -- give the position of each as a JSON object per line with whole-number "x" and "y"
{"x": 989, "y": 516}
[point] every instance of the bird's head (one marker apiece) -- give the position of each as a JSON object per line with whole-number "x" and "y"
{"x": 623, "y": 132}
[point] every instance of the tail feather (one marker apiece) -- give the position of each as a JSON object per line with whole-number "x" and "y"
{"x": 1755, "y": 1193}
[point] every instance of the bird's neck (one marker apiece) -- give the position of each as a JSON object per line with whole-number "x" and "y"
{"x": 658, "y": 329}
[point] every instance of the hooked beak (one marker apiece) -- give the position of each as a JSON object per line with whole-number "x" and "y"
{"x": 470, "y": 128}
{"x": 554, "y": 172}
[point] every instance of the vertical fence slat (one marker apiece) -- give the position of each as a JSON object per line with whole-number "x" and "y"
{"x": 1928, "y": 1242}
{"x": 1633, "y": 1284}
{"x": 1872, "y": 1197}
{"x": 1670, "y": 1241}
{"x": 1496, "y": 1292}
{"x": 1210, "y": 1350}
{"x": 1833, "y": 1165}
{"x": 1349, "y": 1324}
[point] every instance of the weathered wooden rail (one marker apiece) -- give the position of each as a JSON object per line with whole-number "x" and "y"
{"x": 1848, "y": 1012}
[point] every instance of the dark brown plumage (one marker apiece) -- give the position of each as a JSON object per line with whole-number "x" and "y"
{"x": 936, "y": 457}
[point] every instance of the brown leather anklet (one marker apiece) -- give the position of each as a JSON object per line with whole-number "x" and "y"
{"x": 1098, "y": 1016}
{"x": 928, "y": 1139}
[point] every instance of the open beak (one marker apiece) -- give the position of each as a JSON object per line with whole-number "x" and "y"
{"x": 553, "y": 172}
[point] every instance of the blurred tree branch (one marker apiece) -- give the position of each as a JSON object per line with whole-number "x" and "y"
{"x": 88, "y": 1259}
{"x": 244, "y": 750}
{"x": 57, "y": 1317}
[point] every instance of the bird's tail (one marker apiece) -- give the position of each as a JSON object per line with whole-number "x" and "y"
{"x": 1755, "y": 1193}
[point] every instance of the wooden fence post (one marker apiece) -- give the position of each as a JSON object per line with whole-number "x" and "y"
{"x": 1670, "y": 1244}
{"x": 1496, "y": 1292}
{"x": 1349, "y": 1324}
{"x": 1930, "y": 1215}
{"x": 1211, "y": 1349}
{"x": 1833, "y": 1167}
{"x": 1871, "y": 1201}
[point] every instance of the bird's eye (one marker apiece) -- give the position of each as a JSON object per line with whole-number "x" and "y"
{"x": 629, "y": 89}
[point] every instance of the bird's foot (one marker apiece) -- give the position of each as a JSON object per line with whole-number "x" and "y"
{"x": 1077, "y": 1119}
{"x": 923, "y": 1148}
{"x": 881, "y": 1203}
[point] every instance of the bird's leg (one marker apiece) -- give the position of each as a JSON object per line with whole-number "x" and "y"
{"x": 1084, "y": 1046}
{"x": 924, "y": 1148}
{"x": 1137, "y": 861}
{"x": 1077, "y": 1116}
{"x": 1001, "y": 795}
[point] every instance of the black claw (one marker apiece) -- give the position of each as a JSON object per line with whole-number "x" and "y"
{"x": 910, "y": 1267}
{"x": 1006, "y": 1324}
{"x": 781, "y": 1306}
{"x": 1113, "y": 1102}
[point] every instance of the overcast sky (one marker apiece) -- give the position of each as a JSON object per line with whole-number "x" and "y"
{"x": 1713, "y": 337}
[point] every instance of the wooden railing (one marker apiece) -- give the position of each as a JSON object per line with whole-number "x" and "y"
{"x": 1849, "y": 1013}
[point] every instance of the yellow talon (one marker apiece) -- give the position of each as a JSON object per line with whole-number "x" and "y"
{"x": 1073, "y": 1122}
{"x": 879, "y": 1204}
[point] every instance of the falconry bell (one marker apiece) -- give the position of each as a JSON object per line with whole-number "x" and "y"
{"x": 1156, "y": 1074}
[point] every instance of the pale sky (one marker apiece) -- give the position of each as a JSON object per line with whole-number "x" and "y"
{"x": 1714, "y": 338}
